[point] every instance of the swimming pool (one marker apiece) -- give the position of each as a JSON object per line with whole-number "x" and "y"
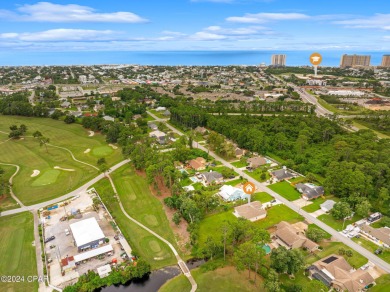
{"x": 266, "y": 248}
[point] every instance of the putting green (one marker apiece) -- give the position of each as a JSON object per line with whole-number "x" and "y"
{"x": 102, "y": 151}
{"x": 47, "y": 178}
{"x": 151, "y": 220}
{"x": 154, "y": 246}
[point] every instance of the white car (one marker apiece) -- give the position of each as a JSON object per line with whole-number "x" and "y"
{"x": 67, "y": 232}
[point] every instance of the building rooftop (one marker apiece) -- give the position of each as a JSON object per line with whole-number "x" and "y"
{"x": 86, "y": 231}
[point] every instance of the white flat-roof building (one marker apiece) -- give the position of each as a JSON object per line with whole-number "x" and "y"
{"x": 104, "y": 271}
{"x": 87, "y": 233}
{"x": 92, "y": 253}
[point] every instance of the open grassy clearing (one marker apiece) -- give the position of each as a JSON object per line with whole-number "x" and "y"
{"x": 286, "y": 190}
{"x": 369, "y": 245}
{"x": 209, "y": 227}
{"x": 142, "y": 242}
{"x": 6, "y": 201}
{"x": 239, "y": 164}
{"x": 73, "y": 136}
{"x": 234, "y": 182}
{"x": 140, "y": 203}
{"x": 17, "y": 252}
{"x": 50, "y": 183}
{"x": 256, "y": 174}
{"x": 361, "y": 125}
{"x": 262, "y": 197}
{"x": 27, "y": 153}
{"x": 222, "y": 279}
{"x": 337, "y": 224}
{"x": 382, "y": 284}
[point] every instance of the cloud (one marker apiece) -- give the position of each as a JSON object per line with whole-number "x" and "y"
{"x": 266, "y": 17}
{"x": 206, "y": 36}
{"x": 49, "y": 12}
{"x": 61, "y": 35}
{"x": 378, "y": 21}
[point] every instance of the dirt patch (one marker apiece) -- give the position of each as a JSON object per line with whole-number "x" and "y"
{"x": 87, "y": 151}
{"x": 91, "y": 133}
{"x": 141, "y": 173}
{"x": 180, "y": 231}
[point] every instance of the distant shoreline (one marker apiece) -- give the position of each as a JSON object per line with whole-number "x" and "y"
{"x": 174, "y": 58}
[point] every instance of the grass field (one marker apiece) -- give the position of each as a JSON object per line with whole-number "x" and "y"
{"x": 337, "y": 224}
{"x": 6, "y": 201}
{"x": 30, "y": 156}
{"x": 144, "y": 207}
{"x": 382, "y": 284}
{"x": 211, "y": 224}
{"x": 362, "y": 125}
{"x": 234, "y": 182}
{"x": 222, "y": 279}
{"x": 286, "y": 190}
{"x": 369, "y": 245}
{"x": 262, "y": 197}
{"x": 239, "y": 164}
{"x": 357, "y": 260}
{"x": 17, "y": 253}
{"x": 256, "y": 174}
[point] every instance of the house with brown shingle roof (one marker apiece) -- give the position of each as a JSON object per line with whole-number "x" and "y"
{"x": 198, "y": 164}
{"x": 252, "y": 211}
{"x": 335, "y": 272}
{"x": 290, "y": 237}
{"x": 380, "y": 235}
{"x": 256, "y": 162}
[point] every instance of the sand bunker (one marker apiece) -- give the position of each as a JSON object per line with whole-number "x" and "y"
{"x": 91, "y": 133}
{"x": 87, "y": 151}
{"x": 64, "y": 169}
{"x": 35, "y": 173}
{"x": 113, "y": 146}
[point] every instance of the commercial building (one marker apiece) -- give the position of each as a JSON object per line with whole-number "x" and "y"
{"x": 385, "y": 61}
{"x": 350, "y": 61}
{"x": 87, "y": 234}
{"x": 278, "y": 60}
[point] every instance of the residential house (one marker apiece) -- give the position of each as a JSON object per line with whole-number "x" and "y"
{"x": 212, "y": 177}
{"x": 335, "y": 272}
{"x": 230, "y": 193}
{"x": 290, "y": 237}
{"x": 108, "y": 118}
{"x": 198, "y": 164}
{"x": 152, "y": 126}
{"x": 380, "y": 235}
{"x": 327, "y": 205}
{"x": 77, "y": 114}
{"x": 309, "y": 191}
{"x": 160, "y": 136}
{"x": 136, "y": 117}
{"x": 167, "y": 113}
{"x": 161, "y": 109}
{"x": 239, "y": 152}
{"x": 66, "y": 104}
{"x": 252, "y": 211}
{"x": 201, "y": 130}
{"x": 281, "y": 174}
{"x": 256, "y": 162}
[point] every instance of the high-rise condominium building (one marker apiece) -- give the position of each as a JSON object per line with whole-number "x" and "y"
{"x": 278, "y": 60}
{"x": 355, "y": 61}
{"x": 385, "y": 61}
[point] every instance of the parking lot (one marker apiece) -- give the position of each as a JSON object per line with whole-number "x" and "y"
{"x": 63, "y": 245}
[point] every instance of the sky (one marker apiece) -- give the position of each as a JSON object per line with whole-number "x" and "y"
{"x": 166, "y": 25}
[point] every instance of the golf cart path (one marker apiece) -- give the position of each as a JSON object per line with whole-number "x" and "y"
{"x": 186, "y": 271}
{"x": 10, "y": 183}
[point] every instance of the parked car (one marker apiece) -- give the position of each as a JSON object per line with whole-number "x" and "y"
{"x": 378, "y": 251}
{"x": 49, "y": 239}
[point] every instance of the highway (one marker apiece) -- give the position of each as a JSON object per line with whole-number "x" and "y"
{"x": 262, "y": 187}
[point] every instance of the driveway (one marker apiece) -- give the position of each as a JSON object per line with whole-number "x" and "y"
{"x": 318, "y": 213}
{"x": 302, "y": 203}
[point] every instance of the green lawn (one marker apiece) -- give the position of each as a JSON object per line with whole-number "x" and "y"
{"x": 142, "y": 242}
{"x": 234, "y": 182}
{"x": 382, "y": 284}
{"x": 256, "y": 174}
{"x": 313, "y": 226}
{"x": 17, "y": 253}
{"x": 286, "y": 190}
{"x": 300, "y": 279}
{"x": 30, "y": 156}
{"x": 6, "y": 201}
{"x": 357, "y": 260}
{"x": 262, "y": 197}
{"x": 222, "y": 279}
{"x": 337, "y": 224}
{"x": 369, "y": 245}
{"x": 378, "y": 224}
{"x": 239, "y": 164}
{"x": 210, "y": 226}
{"x": 186, "y": 182}
{"x": 315, "y": 205}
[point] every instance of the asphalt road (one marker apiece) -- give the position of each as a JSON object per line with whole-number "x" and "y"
{"x": 262, "y": 187}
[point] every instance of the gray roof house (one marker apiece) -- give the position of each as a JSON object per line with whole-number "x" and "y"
{"x": 310, "y": 191}
{"x": 327, "y": 205}
{"x": 65, "y": 104}
{"x": 108, "y": 118}
{"x": 282, "y": 174}
{"x": 212, "y": 177}
{"x": 152, "y": 126}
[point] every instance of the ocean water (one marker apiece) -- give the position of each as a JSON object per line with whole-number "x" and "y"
{"x": 223, "y": 58}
